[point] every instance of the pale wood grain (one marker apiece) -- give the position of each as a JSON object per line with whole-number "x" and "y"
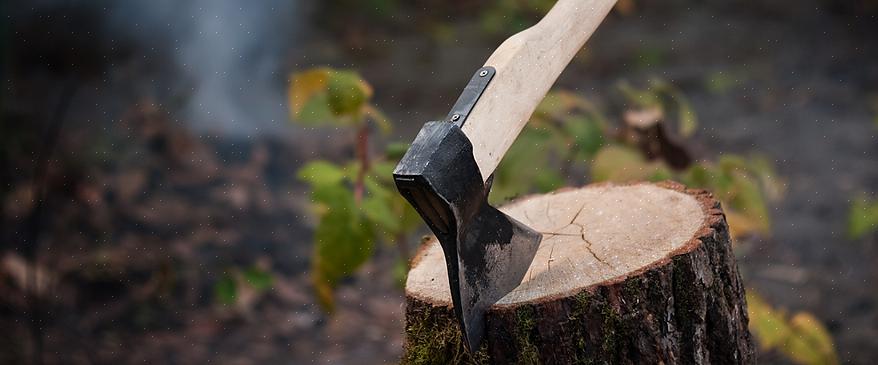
{"x": 590, "y": 235}
{"x": 527, "y": 64}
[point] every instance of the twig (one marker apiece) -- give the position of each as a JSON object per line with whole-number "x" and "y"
{"x": 362, "y": 152}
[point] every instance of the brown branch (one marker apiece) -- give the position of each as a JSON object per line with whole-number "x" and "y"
{"x": 362, "y": 152}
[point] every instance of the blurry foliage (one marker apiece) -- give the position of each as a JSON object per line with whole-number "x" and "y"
{"x": 567, "y": 133}
{"x": 229, "y": 288}
{"x": 742, "y": 185}
{"x": 800, "y": 337}
{"x": 511, "y": 16}
{"x": 438, "y": 19}
{"x": 862, "y": 218}
{"x": 665, "y": 100}
{"x": 721, "y": 82}
{"x": 355, "y": 201}
{"x": 323, "y": 96}
{"x": 567, "y": 137}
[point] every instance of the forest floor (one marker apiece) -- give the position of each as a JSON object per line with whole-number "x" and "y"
{"x": 144, "y": 217}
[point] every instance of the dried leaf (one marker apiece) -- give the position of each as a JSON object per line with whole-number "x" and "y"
{"x": 770, "y": 327}
{"x": 801, "y": 338}
{"x": 810, "y": 343}
{"x": 305, "y": 86}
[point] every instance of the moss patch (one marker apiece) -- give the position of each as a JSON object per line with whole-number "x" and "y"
{"x": 525, "y": 324}
{"x": 433, "y": 337}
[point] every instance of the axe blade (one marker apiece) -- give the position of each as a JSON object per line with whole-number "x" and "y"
{"x": 486, "y": 252}
{"x": 493, "y": 255}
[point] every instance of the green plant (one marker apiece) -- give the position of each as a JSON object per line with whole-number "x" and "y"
{"x": 567, "y": 139}
{"x": 568, "y": 134}
{"x": 564, "y": 132}
{"x": 355, "y": 201}
{"x": 800, "y": 337}
{"x": 663, "y": 99}
{"x": 227, "y": 290}
{"x": 862, "y": 217}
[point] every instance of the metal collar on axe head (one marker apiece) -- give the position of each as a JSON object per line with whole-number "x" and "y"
{"x": 486, "y": 252}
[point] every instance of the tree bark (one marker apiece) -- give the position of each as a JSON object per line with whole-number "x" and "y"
{"x": 625, "y": 274}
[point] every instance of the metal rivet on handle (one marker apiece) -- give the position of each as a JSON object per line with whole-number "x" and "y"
{"x": 455, "y": 117}
{"x": 483, "y": 73}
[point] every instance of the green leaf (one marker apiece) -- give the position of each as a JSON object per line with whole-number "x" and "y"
{"x": 744, "y": 194}
{"x": 687, "y": 120}
{"x": 319, "y": 173}
{"x": 811, "y": 342}
{"x": 639, "y": 99}
{"x": 379, "y": 118}
{"x": 379, "y": 211}
{"x": 343, "y": 241}
{"x": 305, "y": 86}
{"x": 771, "y": 328}
{"x": 801, "y": 338}
{"x": 395, "y": 150}
{"x": 661, "y": 173}
{"x": 862, "y": 217}
{"x": 383, "y": 170}
{"x": 315, "y": 111}
{"x": 334, "y": 97}
{"x": 226, "y": 289}
{"x": 621, "y": 164}
{"x": 734, "y": 182}
{"x": 524, "y": 165}
{"x": 587, "y": 135}
{"x": 347, "y": 92}
{"x": 257, "y": 278}
{"x": 771, "y": 183}
{"x": 548, "y": 181}
{"x": 698, "y": 176}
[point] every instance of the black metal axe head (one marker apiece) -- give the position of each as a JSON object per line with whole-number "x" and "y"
{"x": 486, "y": 252}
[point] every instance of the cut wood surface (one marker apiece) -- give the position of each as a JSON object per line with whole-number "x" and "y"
{"x": 624, "y": 274}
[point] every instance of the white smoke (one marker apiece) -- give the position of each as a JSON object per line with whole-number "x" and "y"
{"x": 230, "y": 53}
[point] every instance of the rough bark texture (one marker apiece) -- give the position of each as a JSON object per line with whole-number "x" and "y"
{"x": 688, "y": 308}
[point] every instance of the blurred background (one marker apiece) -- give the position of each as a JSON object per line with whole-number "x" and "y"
{"x": 208, "y": 181}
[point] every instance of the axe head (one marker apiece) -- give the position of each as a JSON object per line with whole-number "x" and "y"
{"x": 486, "y": 252}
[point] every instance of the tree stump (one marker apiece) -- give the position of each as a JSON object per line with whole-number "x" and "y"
{"x": 625, "y": 274}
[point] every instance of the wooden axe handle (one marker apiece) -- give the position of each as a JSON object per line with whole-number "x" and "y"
{"x": 527, "y": 65}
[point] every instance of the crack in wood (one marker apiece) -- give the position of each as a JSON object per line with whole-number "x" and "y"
{"x": 588, "y": 244}
{"x": 581, "y": 235}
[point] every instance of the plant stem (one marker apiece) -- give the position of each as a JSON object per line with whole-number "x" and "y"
{"x": 362, "y": 152}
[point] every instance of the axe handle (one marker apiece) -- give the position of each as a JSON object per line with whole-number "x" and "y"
{"x": 527, "y": 65}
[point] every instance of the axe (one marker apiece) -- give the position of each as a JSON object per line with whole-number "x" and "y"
{"x": 447, "y": 172}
